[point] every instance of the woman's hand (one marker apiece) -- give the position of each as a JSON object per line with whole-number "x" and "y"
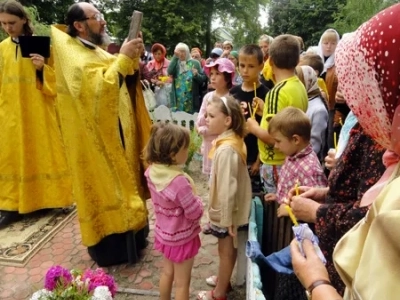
{"x": 195, "y": 72}
{"x": 310, "y": 268}
{"x": 316, "y": 194}
{"x": 37, "y": 60}
{"x": 304, "y": 209}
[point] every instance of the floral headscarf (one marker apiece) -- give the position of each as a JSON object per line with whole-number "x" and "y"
{"x": 310, "y": 80}
{"x": 368, "y": 69}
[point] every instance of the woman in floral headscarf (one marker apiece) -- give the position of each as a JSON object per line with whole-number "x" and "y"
{"x": 317, "y": 109}
{"x": 188, "y": 77}
{"x": 367, "y": 257}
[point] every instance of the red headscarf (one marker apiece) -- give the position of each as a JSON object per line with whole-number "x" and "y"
{"x": 155, "y": 48}
{"x": 368, "y": 69}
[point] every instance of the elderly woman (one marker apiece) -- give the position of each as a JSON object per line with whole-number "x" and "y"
{"x": 188, "y": 77}
{"x": 367, "y": 257}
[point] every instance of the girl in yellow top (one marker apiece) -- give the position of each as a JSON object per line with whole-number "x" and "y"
{"x": 230, "y": 190}
{"x": 33, "y": 168}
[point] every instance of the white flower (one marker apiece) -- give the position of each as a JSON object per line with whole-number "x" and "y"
{"x": 101, "y": 293}
{"x": 41, "y": 295}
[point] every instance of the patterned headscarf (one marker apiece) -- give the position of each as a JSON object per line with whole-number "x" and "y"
{"x": 310, "y": 80}
{"x": 368, "y": 69}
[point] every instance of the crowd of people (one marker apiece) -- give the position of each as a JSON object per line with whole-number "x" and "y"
{"x": 316, "y": 131}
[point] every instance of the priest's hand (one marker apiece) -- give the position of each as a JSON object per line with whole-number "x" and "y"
{"x": 37, "y": 60}
{"x": 134, "y": 48}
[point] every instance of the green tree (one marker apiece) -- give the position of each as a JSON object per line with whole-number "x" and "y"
{"x": 50, "y": 11}
{"x": 243, "y": 20}
{"x": 353, "y": 13}
{"x": 305, "y": 18}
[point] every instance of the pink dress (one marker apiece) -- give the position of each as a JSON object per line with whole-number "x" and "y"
{"x": 202, "y": 129}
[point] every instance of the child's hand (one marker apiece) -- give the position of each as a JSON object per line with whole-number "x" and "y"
{"x": 260, "y": 106}
{"x": 270, "y": 197}
{"x": 282, "y": 212}
{"x": 255, "y": 168}
{"x": 231, "y": 231}
{"x": 252, "y": 125}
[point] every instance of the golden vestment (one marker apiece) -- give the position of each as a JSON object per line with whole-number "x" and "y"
{"x": 367, "y": 258}
{"x": 33, "y": 169}
{"x": 104, "y": 131}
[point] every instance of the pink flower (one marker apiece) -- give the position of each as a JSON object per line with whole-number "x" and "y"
{"x": 55, "y": 276}
{"x": 99, "y": 278}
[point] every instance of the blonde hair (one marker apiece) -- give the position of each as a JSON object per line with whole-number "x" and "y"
{"x": 229, "y": 106}
{"x": 265, "y": 38}
{"x": 330, "y": 35}
{"x": 291, "y": 121}
{"x": 166, "y": 139}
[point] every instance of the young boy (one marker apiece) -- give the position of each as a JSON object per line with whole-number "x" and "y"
{"x": 284, "y": 53}
{"x": 250, "y": 65}
{"x": 291, "y": 130}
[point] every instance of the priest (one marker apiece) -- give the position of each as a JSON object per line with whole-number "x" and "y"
{"x": 105, "y": 126}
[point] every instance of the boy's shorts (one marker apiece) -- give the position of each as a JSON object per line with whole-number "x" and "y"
{"x": 269, "y": 175}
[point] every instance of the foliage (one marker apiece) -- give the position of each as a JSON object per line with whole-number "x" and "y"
{"x": 243, "y": 21}
{"x": 352, "y": 14}
{"x": 62, "y": 284}
{"x": 50, "y": 11}
{"x": 305, "y": 18}
{"x": 194, "y": 147}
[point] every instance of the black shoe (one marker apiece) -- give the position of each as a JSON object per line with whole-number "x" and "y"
{"x": 8, "y": 217}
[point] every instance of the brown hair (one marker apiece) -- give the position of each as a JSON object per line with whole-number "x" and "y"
{"x": 15, "y": 8}
{"x": 253, "y": 50}
{"x": 284, "y": 51}
{"x": 232, "y": 109}
{"x": 166, "y": 139}
{"x": 290, "y": 121}
{"x": 312, "y": 60}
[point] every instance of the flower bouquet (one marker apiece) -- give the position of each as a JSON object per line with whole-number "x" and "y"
{"x": 61, "y": 283}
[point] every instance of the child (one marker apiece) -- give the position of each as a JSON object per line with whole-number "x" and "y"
{"x": 291, "y": 130}
{"x": 230, "y": 190}
{"x": 221, "y": 73}
{"x": 177, "y": 208}
{"x": 250, "y": 65}
{"x": 284, "y": 54}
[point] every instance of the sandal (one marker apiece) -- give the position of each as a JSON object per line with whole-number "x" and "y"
{"x": 212, "y": 281}
{"x": 203, "y": 296}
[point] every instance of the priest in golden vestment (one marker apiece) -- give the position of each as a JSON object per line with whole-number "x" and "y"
{"x": 105, "y": 126}
{"x": 33, "y": 169}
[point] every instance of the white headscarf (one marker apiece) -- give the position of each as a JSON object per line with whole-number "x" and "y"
{"x": 330, "y": 62}
{"x": 182, "y": 64}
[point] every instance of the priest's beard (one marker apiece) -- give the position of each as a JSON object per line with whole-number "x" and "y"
{"x": 99, "y": 39}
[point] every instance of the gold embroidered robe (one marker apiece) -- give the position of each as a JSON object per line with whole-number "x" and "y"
{"x": 33, "y": 168}
{"x": 106, "y": 169}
